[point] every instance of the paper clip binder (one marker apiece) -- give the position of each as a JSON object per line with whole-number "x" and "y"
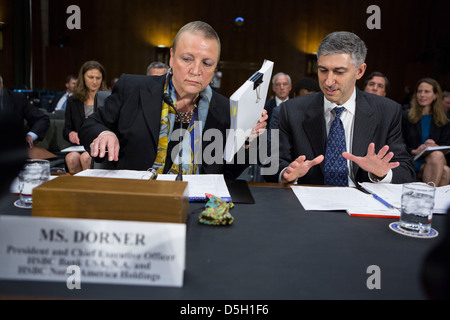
{"x": 257, "y": 78}
{"x": 246, "y": 106}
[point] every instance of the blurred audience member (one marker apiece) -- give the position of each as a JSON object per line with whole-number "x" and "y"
{"x": 80, "y": 106}
{"x": 377, "y": 83}
{"x": 281, "y": 86}
{"x": 60, "y": 100}
{"x": 15, "y": 106}
{"x": 157, "y": 69}
{"x": 446, "y": 103}
{"x": 426, "y": 125}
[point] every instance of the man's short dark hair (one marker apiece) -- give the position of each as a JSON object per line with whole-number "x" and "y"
{"x": 70, "y": 77}
{"x": 377, "y": 74}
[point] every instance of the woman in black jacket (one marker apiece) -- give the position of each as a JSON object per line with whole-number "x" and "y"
{"x": 425, "y": 124}
{"x": 80, "y": 106}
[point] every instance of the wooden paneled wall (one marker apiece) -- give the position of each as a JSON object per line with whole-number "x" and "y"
{"x": 413, "y": 41}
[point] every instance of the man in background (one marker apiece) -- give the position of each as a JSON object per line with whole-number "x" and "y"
{"x": 377, "y": 83}
{"x": 157, "y": 69}
{"x": 60, "y": 100}
{"x": 16, "y": 108}
{"x": 281, "y": 86}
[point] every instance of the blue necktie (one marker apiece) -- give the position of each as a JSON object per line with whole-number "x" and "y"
{"x": 66, "y": 96}
{"x": 336, "y": 171}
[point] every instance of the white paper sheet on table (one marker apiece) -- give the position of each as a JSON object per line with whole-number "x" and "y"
{"x": 74, "y": 149}
{"x": 392, "y": 193}
{"x": 198, "y": 184}
{"x": 351, "y": 200}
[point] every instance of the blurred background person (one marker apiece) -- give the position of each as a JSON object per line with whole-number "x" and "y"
{"x": 426, "y": 125}
{"x": 377, "y": 83}
{"x": 446, "y": 103}
{"x": 15, "y": 106}
{"x": 157, "y": 69}
{"x": 92, "y": 78}
{"x": 60, "y": 100}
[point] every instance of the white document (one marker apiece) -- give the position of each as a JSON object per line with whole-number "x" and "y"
{"x": 79, "y": 251}
{"x": 74, "y": 149}
{"x": 444, "y": 149}
{"x": 392, "y": 193}
{"x": 246, "y": 106}
{"x": 201, "y": 184}
{"x": 351, "y": 200}
{"x": 198, "y": 184}
{"x": 442, "y": 199}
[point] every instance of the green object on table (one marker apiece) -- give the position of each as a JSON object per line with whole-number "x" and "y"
{"x": 216, "y": 212}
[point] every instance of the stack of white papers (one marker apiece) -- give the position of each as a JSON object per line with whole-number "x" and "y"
{"x": 392, "y": 193}
{"x": 444, "y": 149}
{"x": 351, "y": 200}
{"x": 198, "y": 184}
{"x": 358, "y": 203}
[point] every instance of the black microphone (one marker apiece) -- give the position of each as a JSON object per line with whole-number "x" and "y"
{"x": 167, "y": 99}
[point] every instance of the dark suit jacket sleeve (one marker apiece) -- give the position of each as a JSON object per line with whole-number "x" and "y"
{"x": 74, "y": 117}
{"x": 405, "y": 172}
{"x": 106, "y": 118}
{"x": 55, "y": 101}
{"x": 38, "y": 122}
{"x": 285, "y": 145}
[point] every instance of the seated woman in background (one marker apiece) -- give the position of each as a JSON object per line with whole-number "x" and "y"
{"x": 426, "y": 125}
{"x": 80, "y": 106}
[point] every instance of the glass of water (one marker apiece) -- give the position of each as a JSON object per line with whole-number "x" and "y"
{"x": 33, "y": 174}
{"x": 417, "y": 207}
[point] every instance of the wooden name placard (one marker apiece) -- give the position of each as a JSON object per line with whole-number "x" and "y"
{"x": 112, "y": 199}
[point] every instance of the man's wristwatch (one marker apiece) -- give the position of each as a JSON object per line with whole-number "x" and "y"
{"x": 375, "y": 178}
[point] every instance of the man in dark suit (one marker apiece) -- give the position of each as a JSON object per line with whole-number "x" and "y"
{"x": 135, "y": 125}
{"x": 281, "y": 86}
{"x": 373, "y": 149}
{"x": 15, "y": 107}
{"x": 60, "y": 100}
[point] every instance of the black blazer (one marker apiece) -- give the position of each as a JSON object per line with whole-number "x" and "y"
{"x": 412, "y": 133}
{"x": 74, "y": 117}
{"x": 133, "y": 113}
{"x": 303, "y": 132}
{"x": 55, "y": 100}
{"x": 269, "y": 106}
{"x": 17, "y": 108}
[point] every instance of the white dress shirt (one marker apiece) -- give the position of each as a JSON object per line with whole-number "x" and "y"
{"x": 62, "y": 101}
{"x": 278, "y": 100}
{"x": 348, "y": 120}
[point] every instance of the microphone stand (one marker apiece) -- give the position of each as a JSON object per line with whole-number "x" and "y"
{"x": 167, "y": 99}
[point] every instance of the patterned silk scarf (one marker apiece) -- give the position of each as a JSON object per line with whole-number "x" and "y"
{"x": 192, "y": 137}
